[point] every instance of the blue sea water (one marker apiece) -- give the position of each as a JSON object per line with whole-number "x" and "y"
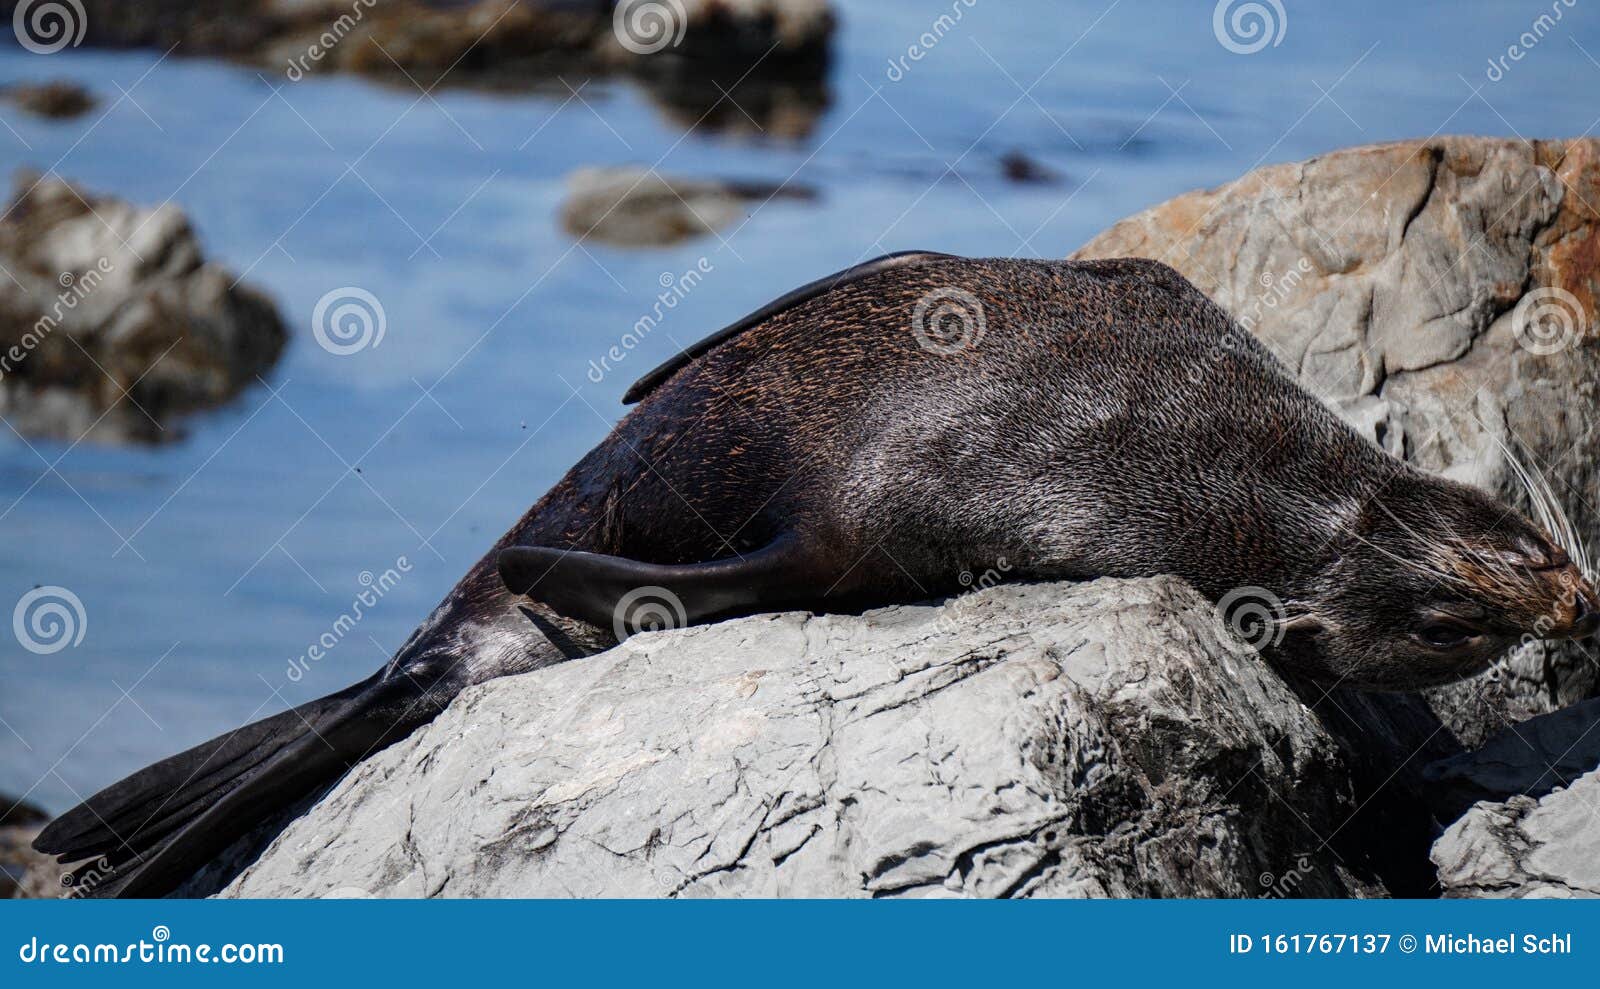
{"x": 207, "y": 567}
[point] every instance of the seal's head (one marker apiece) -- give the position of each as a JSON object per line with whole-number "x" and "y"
{"x": 1429, "y": 582}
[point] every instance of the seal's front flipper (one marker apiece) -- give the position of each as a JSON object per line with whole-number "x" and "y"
{"x": 628, "y": 596}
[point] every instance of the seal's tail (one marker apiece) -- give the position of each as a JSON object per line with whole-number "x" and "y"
{"x": 155, "y": 828}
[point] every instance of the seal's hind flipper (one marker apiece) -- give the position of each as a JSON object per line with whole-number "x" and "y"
{"x": 900, "y": 259}
{"x": 629, "y": 596}
{"x": 146, "y": 834}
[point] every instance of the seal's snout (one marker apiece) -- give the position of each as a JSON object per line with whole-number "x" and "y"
{"x": 1586, "y": 618}
{"x": 1582, "y": 617}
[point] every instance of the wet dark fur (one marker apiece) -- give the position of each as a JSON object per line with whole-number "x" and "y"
{"x": 1111, "y": 421}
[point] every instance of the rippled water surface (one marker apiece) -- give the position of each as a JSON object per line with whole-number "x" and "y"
{"x": 207, "y": 566}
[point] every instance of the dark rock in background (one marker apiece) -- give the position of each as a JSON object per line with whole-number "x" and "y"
{"x": 768, "y": 56}
{"x": 57, "y": 100}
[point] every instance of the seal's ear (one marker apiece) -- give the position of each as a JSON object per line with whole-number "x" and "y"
{"x": 608, "y": 590}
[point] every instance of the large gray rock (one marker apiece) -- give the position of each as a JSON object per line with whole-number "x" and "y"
{"x": 112, "y": 322}
{"x": 1100, "y": 739}
{"x": 1525, "y": 848}
{"x": 1398, "y": 281}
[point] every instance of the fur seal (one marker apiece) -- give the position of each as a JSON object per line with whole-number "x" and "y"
{"x": 873, "y": 435}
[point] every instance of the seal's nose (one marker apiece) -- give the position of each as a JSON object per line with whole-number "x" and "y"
{"x": 1585, "y": 614}
{"x": 1583, "y": 617}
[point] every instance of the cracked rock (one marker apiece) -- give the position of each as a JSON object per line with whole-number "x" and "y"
{"x": 1101, "y": 739}
{"x": 1525, "y": 848}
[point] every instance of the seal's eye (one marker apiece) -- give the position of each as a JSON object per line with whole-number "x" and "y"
{"x": 1437, "y": 634}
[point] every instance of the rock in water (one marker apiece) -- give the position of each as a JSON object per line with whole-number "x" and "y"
{"x": 636, "y": 207}
{"x": 1441, "y": 295}
{"x": 58, "y": 100}
{"x": 1099, "y": 739}
{"x": 113, "y": 324}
